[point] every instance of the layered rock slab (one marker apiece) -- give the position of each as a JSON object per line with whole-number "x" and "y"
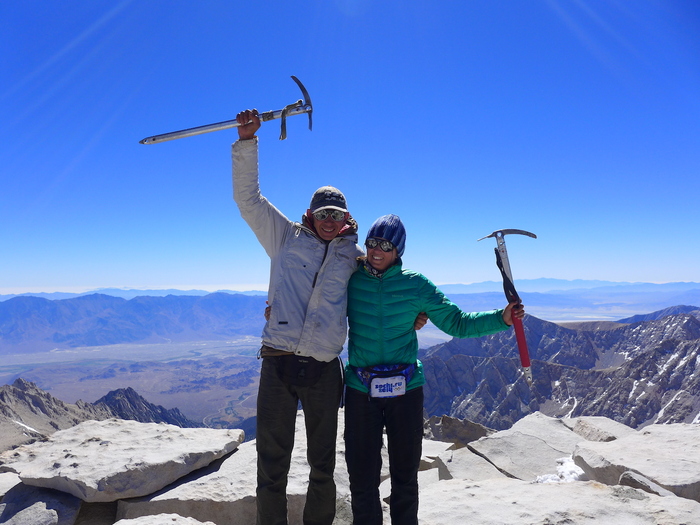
{"x": 163, "y": 519}
{"x": 25, "y": 505}
{"x": 224, "y": 492}
{"x": 102, "y": 461}
{"x": 516, "y": 502}
{"x": 598, "y": 428}
{"x": 668, "y": 455}
{"x": 531, "y": 447}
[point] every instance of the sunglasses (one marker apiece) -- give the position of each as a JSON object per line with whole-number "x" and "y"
{"x": 336, "y": 215}
{"x": 385, "y": 246}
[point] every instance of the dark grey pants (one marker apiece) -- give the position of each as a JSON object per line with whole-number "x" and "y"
{"x": 365, "y": 420}
{"x": 276, "y": 417}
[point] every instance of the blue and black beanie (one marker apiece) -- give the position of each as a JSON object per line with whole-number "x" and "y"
{"x": 391, "y": 228}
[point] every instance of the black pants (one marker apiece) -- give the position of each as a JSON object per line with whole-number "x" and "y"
{"x": 365, "y": 419}
{"x": 276, "y": 418}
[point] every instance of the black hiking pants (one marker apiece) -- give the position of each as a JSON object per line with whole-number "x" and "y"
{"x": 365, "y": 420}
{"x": 276, "y": 419}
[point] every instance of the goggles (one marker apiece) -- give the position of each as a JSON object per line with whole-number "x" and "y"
{"x": 385, "y": 246}
{"x": 336, "y": 215}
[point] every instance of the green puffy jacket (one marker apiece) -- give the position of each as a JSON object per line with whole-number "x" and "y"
{"x": 381, "y": 314}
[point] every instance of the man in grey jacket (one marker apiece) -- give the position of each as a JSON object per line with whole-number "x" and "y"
{"x": 311, "y": 263}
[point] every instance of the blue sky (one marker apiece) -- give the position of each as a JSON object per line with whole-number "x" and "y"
{"x": 578, "y": 121}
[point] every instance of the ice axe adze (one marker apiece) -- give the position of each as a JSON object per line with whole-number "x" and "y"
{"x": 511, "y": 294}
{"x": 297, "y": 108}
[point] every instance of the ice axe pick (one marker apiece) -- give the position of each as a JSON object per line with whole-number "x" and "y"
{"x": 297, "y": 108}
{"x": 511, "y": 294}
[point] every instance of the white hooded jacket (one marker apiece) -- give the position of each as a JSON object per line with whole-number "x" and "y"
{"x": 308, "y": 276}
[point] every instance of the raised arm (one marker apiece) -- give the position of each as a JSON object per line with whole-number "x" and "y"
{"x": 267, "y": 222}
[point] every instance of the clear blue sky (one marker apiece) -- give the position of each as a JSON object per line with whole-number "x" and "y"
{"x": 576, "y": 120}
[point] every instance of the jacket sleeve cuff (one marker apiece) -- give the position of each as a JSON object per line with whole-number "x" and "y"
{"x": 244, "y": 144}
{"x": 500, "y": 318}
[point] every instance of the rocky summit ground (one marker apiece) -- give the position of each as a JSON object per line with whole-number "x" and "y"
{"x": 543, "y": 470}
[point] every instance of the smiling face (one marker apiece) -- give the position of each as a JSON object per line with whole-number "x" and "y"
{"x": 327, "y": 229}
{"x": 379, "y": 259}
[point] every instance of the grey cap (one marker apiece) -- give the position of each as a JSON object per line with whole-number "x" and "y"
{"x": 328, "y": 198}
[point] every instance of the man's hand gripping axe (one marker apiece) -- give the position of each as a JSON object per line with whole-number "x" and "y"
{"x": 297, "y": 108}
{"x": 511, "y": 294}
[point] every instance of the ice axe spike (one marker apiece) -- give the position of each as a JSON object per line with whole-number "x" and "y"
{"x": 297, "y": 108}
{"x": 511, "y": 294}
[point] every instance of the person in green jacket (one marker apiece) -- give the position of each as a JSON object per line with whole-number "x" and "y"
{"x": 384, "y": 377}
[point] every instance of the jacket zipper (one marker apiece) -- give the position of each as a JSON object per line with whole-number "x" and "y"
{"x": 325, "y": 254}
{"x": 381, "y": 318}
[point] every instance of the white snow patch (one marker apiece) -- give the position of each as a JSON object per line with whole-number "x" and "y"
{"x": 661, "y": 412}
{"x": 568, "y": 416}
{"x": 25, "y": 426}
{"x": 633, "y": 390}
{"x": 567, "y": 472}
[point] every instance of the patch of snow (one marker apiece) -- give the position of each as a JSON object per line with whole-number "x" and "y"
{"x": 25, "y": 426}
{"x": 633, "y": 390}
{"x": 568, "y": 416}
{"x": 683, "y": 361}
{"x": 567, "y": 472}
{"x": 661, "y": 412}
{"x": 667, "y": 364}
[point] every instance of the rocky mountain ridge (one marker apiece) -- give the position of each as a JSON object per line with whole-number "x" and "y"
{"x": 29, "y": 414}
{"x": 671, "y": 310}
{"x": 637, "y": 374}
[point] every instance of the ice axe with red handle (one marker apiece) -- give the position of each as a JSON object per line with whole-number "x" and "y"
{"x": 511, "y": 294}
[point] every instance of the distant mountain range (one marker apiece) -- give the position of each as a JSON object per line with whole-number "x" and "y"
{"x": 609, "y": 304}
{"x": 30, "y": 324}
{"x": 34, "y": 324}
{"x": 542, "y": 285}
{"x": 124, "y": 293}
{"x": 552, "y": 299}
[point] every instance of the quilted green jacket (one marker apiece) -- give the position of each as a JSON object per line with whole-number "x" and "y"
{"x": 381, "y": 313}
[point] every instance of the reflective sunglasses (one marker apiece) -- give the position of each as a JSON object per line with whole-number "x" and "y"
{"x": 336, "y": 215}
{"x": 385, "y": 246}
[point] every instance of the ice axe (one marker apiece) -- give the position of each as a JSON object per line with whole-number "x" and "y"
{"x": 511, "y": 294}
{"x": 297, "y": 108}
